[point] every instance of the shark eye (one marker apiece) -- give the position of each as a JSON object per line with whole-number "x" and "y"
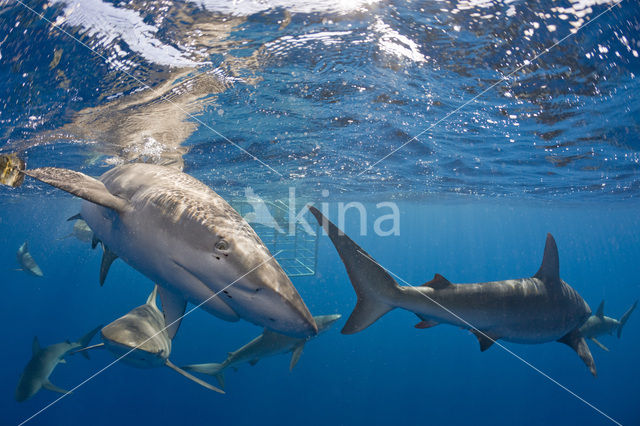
{"x": 222, "y": 245}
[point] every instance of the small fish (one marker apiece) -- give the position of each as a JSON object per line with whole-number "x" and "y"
{"x": 26, "y": 261}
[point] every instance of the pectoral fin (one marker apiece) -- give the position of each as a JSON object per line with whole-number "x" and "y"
{"x": 192, "y": 377}
{"x": 575, "y": 340}
{"x": 485, "y": 339}
{"x": 173, "y": 307}
{"x": 80, "y": 185}
{"x": 594, "y": 340}
{"x": 107, "y": 259}
{"x": 296, "y": 356}
{"x": 50, "y": 386}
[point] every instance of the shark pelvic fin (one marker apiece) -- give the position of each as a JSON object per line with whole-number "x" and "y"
{"x": 550, "y": 269}
{"x": 35, "y": 346}
{"x": 597, "y": 342}
{"x": 173, "y": 307}
{"x": 576, "y": 342}
{"x": 485, "y": 339}
{"x": 371, "y": 282}
{"x": 438, "y": 282}
{"x": 297, "y": 352}
{"x": 625, "y": 317}
{"x": 192, "y": 377}
{"x": 600, "y": 311}
{"x": 253, "y": 362}
{"x": 107, "y": 259}
{"x": 80, "y": 185}
{"x": 50, "y": 386}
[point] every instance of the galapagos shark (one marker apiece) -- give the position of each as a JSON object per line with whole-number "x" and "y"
{"x": 186, "y": 238}
{"x": 140, "y": 339}
{"x": 267, "y": 344}
{"x": 599, "y": 324}
{"x": 539, "y": 309}
{"x": 43, "y": 362}
{"x": 26, "y": 261}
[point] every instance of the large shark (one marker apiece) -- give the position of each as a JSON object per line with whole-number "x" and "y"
{"x": 140, "y": 339}
{"x": 43, "y": 362}
{"x": 26, "y": 261}
{"x": 267, "y": 344}
{"x": 539, "y": 309}
{"x": 186, "y": 238}
{"x": 599, "y": 324}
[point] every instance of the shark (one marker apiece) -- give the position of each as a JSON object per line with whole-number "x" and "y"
{"x": 140, "y": 339}
{"x": 26, "y": 261}
{"x": 81, "y": 230}
{"x": 184, "y": 237}
{"x": 265, "y": 345}
{"x": 599, "y": 324}
{"x": 42, "y": 363}
{"x": 537, "y": 309}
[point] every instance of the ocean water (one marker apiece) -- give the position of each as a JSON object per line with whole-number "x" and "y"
{"x": 452, "y": 112}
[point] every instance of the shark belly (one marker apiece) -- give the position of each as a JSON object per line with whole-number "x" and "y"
{"x": 140, "y": 239}
{"x": 521, "y": 311}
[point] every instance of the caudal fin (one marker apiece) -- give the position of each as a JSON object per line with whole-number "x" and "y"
{"x": 625, "y": 317}
{"x": 212, "y": 369}
{"x": 374, "y": 287}
{"x": 84, "y": 340}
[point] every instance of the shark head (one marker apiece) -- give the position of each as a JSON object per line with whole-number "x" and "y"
{"x": 140, "y": 335}
{"x": 248, "y": 278}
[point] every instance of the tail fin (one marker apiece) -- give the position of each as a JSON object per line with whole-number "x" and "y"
{"x": 212, "y": 369}
{"x": 11, "y": 168}
{"x": 84, "y": 340}
{"x": 372, "y": 284}
{"x": 625, "y": 317}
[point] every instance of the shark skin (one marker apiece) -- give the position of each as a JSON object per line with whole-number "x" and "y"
{"x": 140, "y": 339}
{"x": 600, "y": 325}
{"x": 265, "y": 345}
{"x": 26, "y": 261}
{"x": 186, "y": 238}
{"x": 42, "y": 363}
{"x": 539, "y": 309}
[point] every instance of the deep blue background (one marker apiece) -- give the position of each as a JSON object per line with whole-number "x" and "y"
{"x": 389, "y": 373}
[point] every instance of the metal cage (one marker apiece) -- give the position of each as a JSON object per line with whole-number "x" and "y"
{"x": 270, "y": 219}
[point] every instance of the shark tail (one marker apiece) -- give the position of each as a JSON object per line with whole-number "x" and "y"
{"x": 374, "y": 287}
{"x": 625, "y": 317}
{"x": 11, "y": 168}
{"x": 86, "y": 339}
{"x": 212, "y": 369}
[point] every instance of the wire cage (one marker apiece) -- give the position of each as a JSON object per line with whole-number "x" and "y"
{"x": 297, "y": 246}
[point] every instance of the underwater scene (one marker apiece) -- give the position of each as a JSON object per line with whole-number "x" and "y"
{"x": 354, "y": 212}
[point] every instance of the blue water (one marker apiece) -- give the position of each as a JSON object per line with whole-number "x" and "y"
{"x": 320, "y": 92}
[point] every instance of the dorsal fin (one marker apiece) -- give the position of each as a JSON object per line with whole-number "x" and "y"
{"x": 550, "y": 269}
{"x": 438, "y": 282}
{"x": 151, "y": 300}
{"x": 35, "y": 346}
{"x": 600, "y": 311}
